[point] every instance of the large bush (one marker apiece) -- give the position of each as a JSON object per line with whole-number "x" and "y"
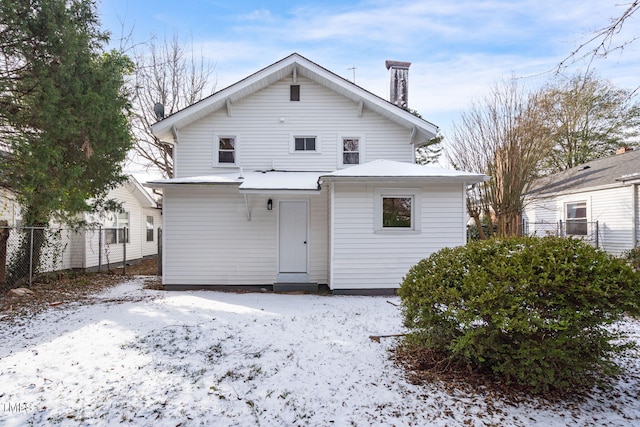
{"x": 536, "y": 311}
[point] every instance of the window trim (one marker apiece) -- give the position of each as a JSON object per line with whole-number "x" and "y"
{"x": 416, "y": 211}
{"x": 292, "y": 143}
{"x": 340, "y": 149}
{"x": 216, "y": 150}
{"x": 578, "y": 220}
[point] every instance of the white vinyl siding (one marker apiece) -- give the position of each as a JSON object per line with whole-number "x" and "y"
{"x": 266, "y": 121}
{"x": 200, "y": 223}
{"x": 364, "y": 259}
{"x": 137, "y": 247}
{"x": 611, "y": 207}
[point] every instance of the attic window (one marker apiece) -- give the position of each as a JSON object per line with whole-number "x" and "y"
{"x": 294, "y": 93}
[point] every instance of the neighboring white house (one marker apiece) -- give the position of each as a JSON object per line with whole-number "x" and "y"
{"x": 99, "y": 244}
{"x": 597, "y": 201}
{"x": 295, "y": 177}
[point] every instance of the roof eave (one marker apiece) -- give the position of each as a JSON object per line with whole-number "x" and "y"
{"x": 279, "y": 70}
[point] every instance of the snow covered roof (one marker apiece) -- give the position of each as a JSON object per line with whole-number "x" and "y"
{"x": 167, "y": 129}
{"x": 393, "y": 169}
{"x": 279, "y": 181}
{"x": 272, "y": 180}
{"x": 255, "y": 181}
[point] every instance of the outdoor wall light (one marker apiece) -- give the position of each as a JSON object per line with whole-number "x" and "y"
{"x": 269, "y": 204}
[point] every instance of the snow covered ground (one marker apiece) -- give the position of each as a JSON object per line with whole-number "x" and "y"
{"x": 153, "y": 358}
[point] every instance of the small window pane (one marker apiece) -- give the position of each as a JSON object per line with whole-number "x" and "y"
{"x": 310, "y": 144}
{"x": 299, "y": 144}
{"x": 351, "y": 158}
{"x": 396, "y": 212}
{"x": 226, "y": 157}
{"x": 227, "y": 143}
{"x": 350, "y": 144}
{"x": 110, "y": 236}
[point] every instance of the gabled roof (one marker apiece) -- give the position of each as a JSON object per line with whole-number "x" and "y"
{"x": 606, "y": 172}
{"x": 391, "y": 169}
{"x": 293, "y": 64}
{"x": 140, "y": 193}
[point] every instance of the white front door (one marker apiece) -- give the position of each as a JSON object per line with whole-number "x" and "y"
{"x": 293, "y": 236}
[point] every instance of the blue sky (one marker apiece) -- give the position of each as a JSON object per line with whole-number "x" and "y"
{"x": 457, "y": 48}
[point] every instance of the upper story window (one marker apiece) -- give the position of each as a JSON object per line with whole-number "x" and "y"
{"x": 350, "y": 151}
{"x": 305, "y": 143}
{"x": 576, "y": 218}
{"x": 294, "y": 93}
{"x": 226, "y": 150}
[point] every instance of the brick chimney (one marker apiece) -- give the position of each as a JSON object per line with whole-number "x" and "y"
{"x": 399, "y": 93}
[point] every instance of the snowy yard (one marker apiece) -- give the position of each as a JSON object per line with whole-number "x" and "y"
{"x": 153, "y": 358}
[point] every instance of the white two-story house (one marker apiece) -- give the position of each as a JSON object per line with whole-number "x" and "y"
{"x": 295, "y": 177}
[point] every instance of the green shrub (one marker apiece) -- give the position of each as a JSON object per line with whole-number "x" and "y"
{"x": 535, "y": 311}
{"x": 633, "y": 257}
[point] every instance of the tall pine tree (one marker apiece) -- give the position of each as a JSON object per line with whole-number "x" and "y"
{"x": 64, "y": 114}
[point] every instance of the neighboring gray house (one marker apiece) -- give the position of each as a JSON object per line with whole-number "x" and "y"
{"x": 597, "y": 201}
{"x": 295, "y": 177}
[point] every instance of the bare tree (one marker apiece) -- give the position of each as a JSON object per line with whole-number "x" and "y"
{"x": 605, "y": 40}
{"x": 587, "y": 118}
{"x": 167, "y": 72}
{"x": 501, "y": 137}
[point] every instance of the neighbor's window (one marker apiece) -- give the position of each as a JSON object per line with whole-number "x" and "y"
{"x": 576, "y": 218}
{"x": 350, "y": 151}
{"x": 114, "y": 228}
{"x": 149, "y": 228}
{"x": 227, "y": 150}
{"x": 397, "y": 212}
{"x": 305, "y": 143}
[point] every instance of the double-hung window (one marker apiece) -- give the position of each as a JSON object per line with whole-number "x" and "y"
{"x": 576, "y": 218}
{"x": 115, "y": 225}
{"x": 350, "y": 151}
{"x": 226, "y": 150}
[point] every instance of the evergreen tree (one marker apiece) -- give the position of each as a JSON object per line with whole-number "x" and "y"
{"x": 65, "y": 117}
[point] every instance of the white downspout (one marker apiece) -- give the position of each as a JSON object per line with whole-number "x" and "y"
{"x": 331, "y": 232}
{"x": 634, "y": 215}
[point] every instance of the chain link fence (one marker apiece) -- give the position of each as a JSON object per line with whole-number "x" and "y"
{"x": 26, "y": 252}
{"x": 588, "y": 231}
